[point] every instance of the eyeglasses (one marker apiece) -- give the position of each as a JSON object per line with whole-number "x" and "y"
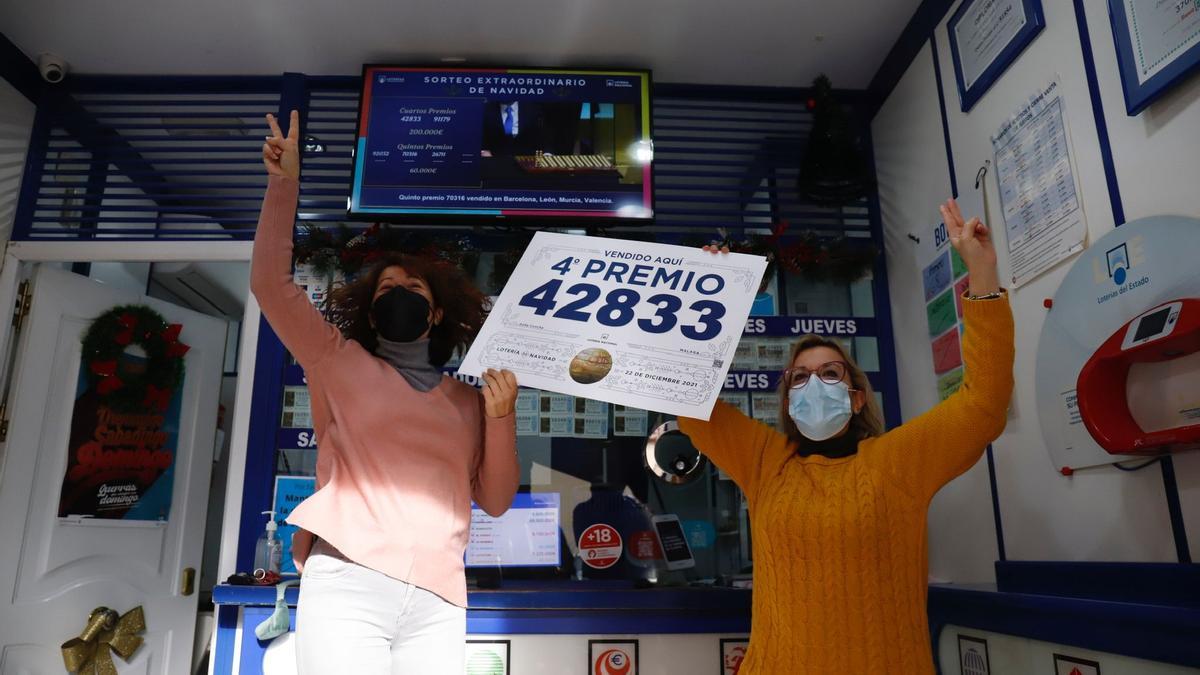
{"x": 830, "y": 373}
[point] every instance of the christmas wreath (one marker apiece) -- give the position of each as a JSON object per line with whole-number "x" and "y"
{"x": 810, "y": 256}
{"x": 109, "y": 336}
{"x": 342, "y": 249}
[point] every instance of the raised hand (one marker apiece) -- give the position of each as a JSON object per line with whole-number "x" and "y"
{"x": 281, "y": 154}
{"x": 973, "y": 241}
{"x": 499, "y": 392}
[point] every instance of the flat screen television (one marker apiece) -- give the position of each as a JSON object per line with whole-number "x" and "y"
{"x": 443, "y": 144}
{"x": 527, "y": 535}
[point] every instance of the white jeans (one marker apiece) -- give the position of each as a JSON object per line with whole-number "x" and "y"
{"x": 351, "y": 619}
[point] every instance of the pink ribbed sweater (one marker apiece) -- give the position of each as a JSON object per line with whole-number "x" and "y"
{"x": 396, "y": 468}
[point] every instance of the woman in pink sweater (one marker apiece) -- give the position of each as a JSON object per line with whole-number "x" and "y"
{"x": 402, "y": 449}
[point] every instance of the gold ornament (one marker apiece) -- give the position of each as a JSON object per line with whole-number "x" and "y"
{"x": 105, "y": 633}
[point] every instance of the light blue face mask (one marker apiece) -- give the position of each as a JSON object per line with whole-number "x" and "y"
{"x": 820, "y": 410}
{"x": 280, "y": 620}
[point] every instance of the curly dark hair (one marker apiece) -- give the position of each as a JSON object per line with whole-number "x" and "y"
{"x": 464, "y": 307}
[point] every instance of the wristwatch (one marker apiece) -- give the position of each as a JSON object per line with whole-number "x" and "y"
{"x": 987, "y": 296}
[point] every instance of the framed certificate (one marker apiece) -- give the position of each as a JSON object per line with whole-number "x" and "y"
{"x": 1158, "y": 45}
{"x": 986, "y": 36}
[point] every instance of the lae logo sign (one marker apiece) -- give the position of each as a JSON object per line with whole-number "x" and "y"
{"x": 612, "y": 662}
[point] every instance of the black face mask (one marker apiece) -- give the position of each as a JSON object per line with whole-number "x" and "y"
{"x": 401, "y": 315}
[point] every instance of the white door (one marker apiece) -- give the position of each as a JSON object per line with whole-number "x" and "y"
{"x": 54, "y": 571}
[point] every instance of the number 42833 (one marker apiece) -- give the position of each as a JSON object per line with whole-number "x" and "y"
{"x": 619, "y": 309}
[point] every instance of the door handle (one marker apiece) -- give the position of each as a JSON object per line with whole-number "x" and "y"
{"x": 188, "y": 585}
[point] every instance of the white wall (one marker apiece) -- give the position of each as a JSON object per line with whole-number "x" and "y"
{"x": 913, "y": 177}
{"x": 127, "y": 276}
{"x": 1100, "y": 514}
{"x": 16, "y": 121}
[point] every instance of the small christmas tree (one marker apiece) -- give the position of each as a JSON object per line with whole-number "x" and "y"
{"x": 833, "y": 170}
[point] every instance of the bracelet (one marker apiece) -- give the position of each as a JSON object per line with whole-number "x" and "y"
{"x": 987, "y": 296}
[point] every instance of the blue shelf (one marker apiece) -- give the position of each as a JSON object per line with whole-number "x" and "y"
{"x": 566, "y": 607}
{"x": 1156, "y": 632}
{"x": 551, "y": 596}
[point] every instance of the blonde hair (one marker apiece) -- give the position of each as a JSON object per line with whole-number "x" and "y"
{"x": 866, "y": 423}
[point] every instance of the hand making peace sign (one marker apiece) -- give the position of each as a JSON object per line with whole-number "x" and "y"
{"x": 973, "y": 241}
{"x": 281, "y": 153}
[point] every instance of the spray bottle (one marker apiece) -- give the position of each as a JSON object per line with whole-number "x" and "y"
{"x": 268, "y": 554}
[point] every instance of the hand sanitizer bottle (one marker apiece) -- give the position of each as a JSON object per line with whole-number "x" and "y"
{"x": 268, "y": 554}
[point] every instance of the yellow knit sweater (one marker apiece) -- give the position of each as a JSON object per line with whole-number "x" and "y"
{"x": 840, "y": 564}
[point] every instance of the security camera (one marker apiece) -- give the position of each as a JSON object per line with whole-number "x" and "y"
{"x": 52, "y": 67}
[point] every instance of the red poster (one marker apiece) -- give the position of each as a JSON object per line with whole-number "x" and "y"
{"x": 120, "y": 464}
{"x": 947, "y": 354}
{"x": 125, "y": 421}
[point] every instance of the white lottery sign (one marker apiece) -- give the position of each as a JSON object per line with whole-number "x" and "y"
{"x": 644, "y": 325}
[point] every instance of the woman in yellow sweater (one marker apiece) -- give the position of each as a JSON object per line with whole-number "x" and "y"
{"x": 838, "y": 508}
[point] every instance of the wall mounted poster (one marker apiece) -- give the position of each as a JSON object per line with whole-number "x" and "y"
{"x": 121, "y": 465}
{"x": 1039, "y": 193}
{"x": 634, "y": 323}
{"x": 986, "y": 36}
{"x": 733, "y": 652}
{"x": 289, "y": 492}
{"x": 973, "y": 656}
{"x": 488, "y": 657}
{"x": 1069, "y": 665}
{"x": 944, "y": 279}
{"x": 1158, "y": 45}
{"x": 947, "y": 354}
